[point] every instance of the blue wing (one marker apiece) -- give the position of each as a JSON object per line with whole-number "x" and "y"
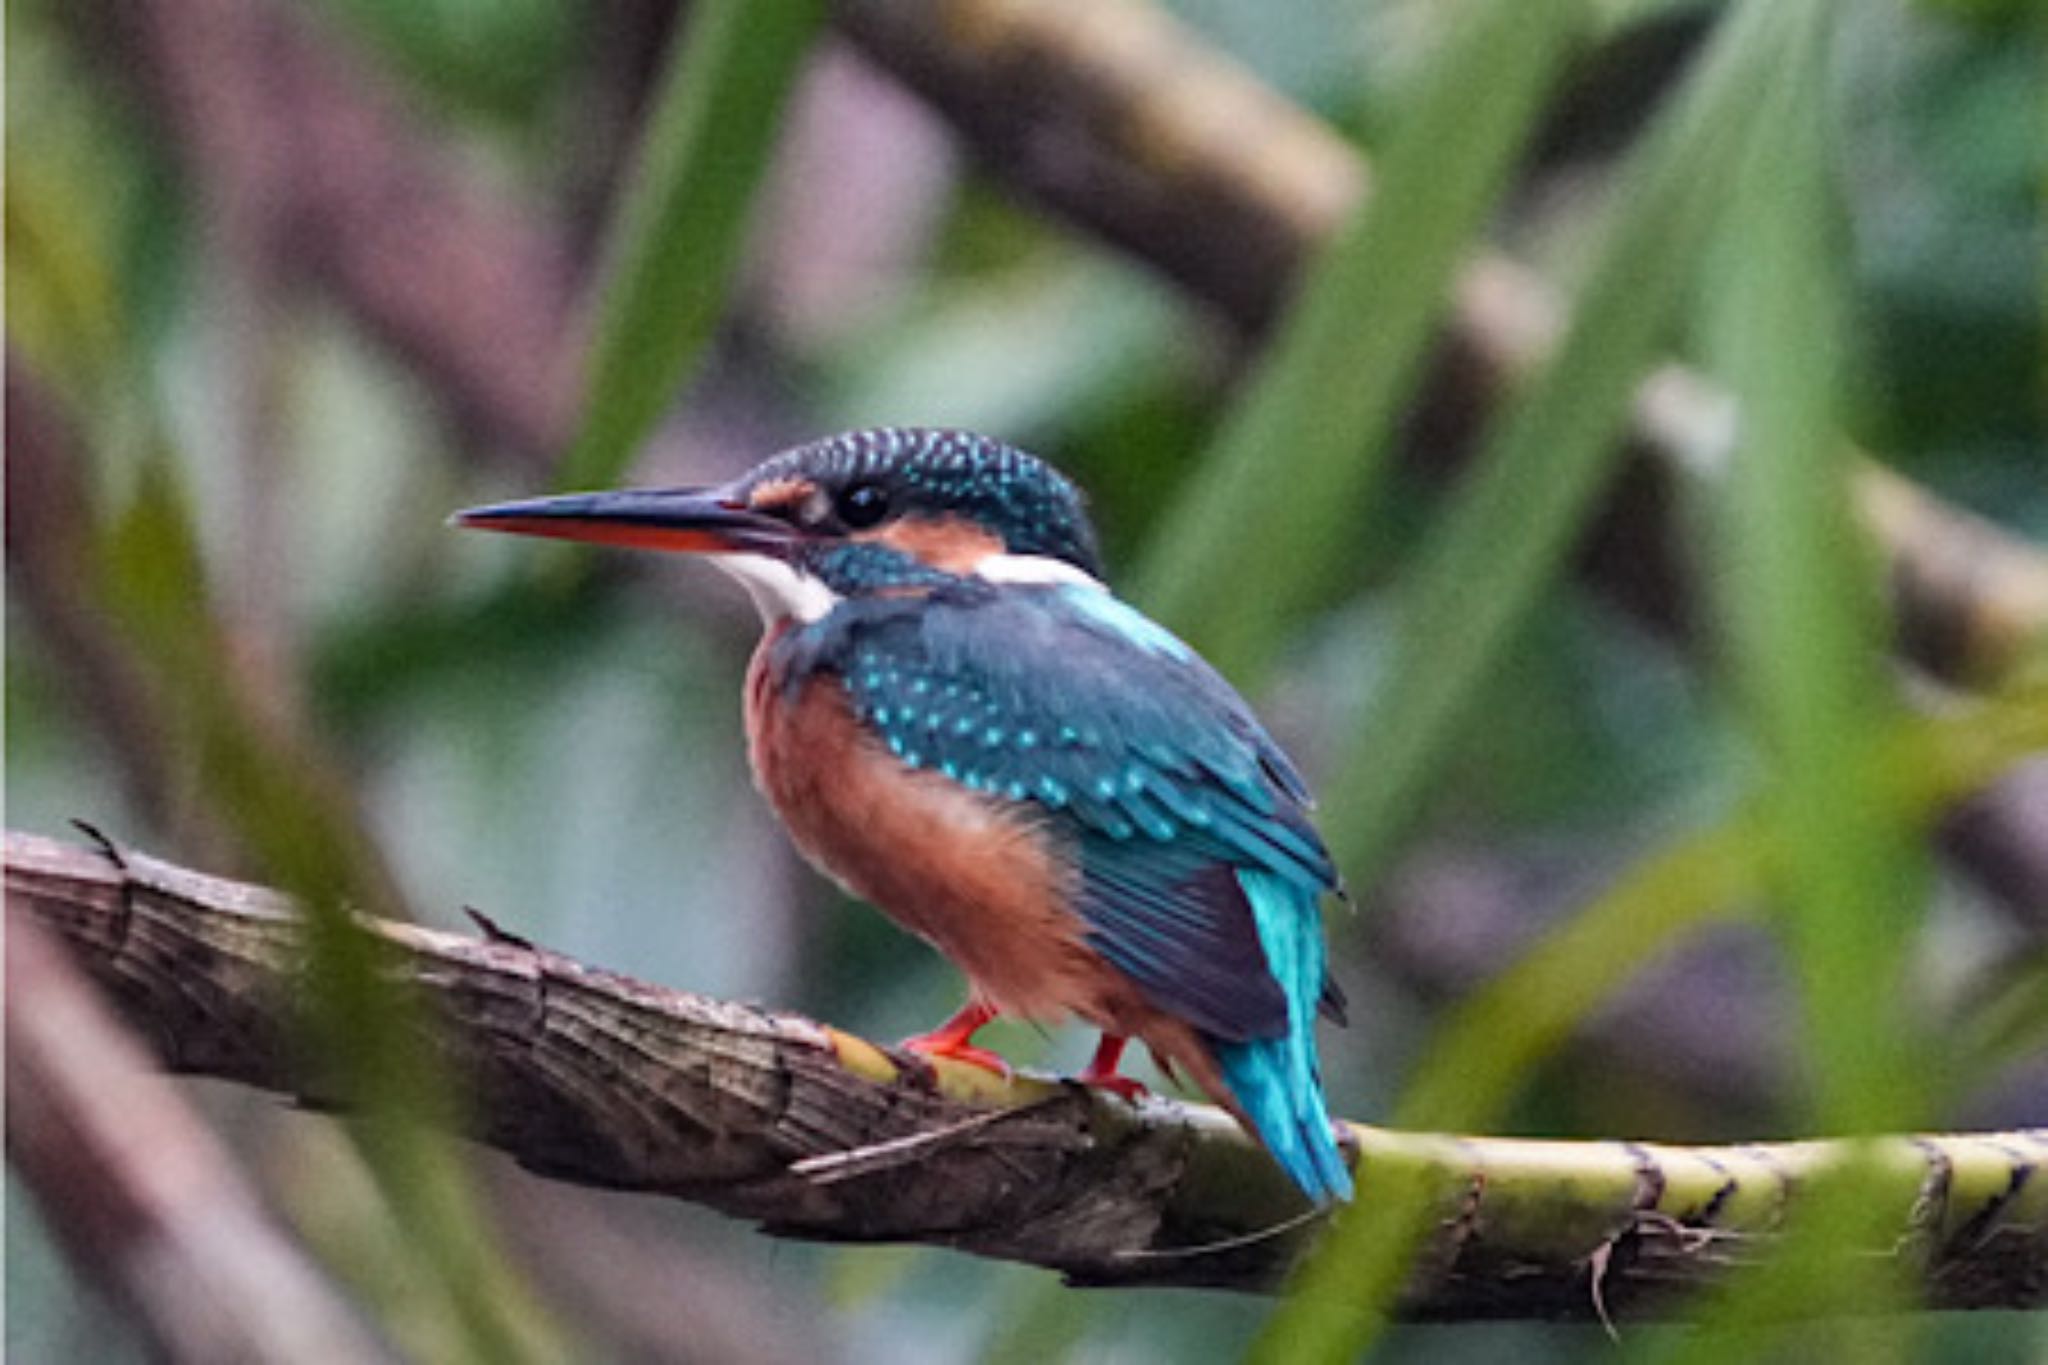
{"x": 1138, "y": 751}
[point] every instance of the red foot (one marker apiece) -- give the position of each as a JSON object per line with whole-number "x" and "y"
{"x": 954, "y": 1039}
{"x": 1102, "y": 1074}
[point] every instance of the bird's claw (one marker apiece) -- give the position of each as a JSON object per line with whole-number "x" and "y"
{"x": 936, "y": 1046}
{"x": 1127, "y": 1088}
{"x": 1101, "y": 1072}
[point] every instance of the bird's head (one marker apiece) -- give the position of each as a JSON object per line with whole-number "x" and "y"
{"x": 866, "y": 512}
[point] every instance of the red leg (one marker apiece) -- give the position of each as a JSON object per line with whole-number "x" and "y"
{"x": 1101, "y": 1071}
{"x": 955, "y": 1039}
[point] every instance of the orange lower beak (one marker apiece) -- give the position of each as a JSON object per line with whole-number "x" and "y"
{"x": 689, "y": 520}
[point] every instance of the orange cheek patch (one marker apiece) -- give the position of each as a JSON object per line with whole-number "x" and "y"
{"x": 672, "y": 538}
{"x": 779, "y": 495}
{"x": 946, "y": 543}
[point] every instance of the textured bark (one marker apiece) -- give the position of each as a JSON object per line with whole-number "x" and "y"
{"x": 594, "y": 1078}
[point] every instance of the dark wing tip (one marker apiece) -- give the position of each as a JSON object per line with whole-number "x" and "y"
{"x": 1333, "y": 1004}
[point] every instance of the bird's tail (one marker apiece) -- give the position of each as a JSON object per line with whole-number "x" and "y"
{"x": 1278, "y": 1082}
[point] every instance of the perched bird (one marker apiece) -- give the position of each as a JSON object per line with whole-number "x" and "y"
{"x": 957, "y": 721}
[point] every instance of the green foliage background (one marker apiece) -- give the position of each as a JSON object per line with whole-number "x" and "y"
{"x": 1835, "y": 210}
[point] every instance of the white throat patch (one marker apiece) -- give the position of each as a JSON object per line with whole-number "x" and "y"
{"x": 1008, "y": 568}
{"x": 780, "y": 592}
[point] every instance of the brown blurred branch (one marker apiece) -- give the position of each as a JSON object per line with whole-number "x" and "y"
{"x": 2002, "y": 838}
{"x": 596, "y": 1079}
{"x": 1113, "y": 117}
{"x": 472, "y": 289}
{"x": 140, "y": 1192}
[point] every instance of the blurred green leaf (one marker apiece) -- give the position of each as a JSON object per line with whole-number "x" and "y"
{"x": 499, "y": 56}
{"x": 1051, "y": 345}
{"x": 64, "y": 305}
{"x": 1799, "y": 596}
{"x": 2006, "y": 1019}
{"x": 1502, "y": 541}
{"x": 678, "y": 237}
{"x": 1987, "y": 13}
{"x": 1296, "y": 460}
{"x": 1041, "y": 1321}
{"x": 1800, "y": 600}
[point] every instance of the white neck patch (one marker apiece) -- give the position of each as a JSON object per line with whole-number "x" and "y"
{"x": 1008, "y": 568}
{"x": 779, "y": 590}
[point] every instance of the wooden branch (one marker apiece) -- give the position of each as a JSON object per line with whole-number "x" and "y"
{"x": 146, "y": 1200}
{"x": 597, "y": 1079}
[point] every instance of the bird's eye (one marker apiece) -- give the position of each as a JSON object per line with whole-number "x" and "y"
{"x": 862, "y": 505}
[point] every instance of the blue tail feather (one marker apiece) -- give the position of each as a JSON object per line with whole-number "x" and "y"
{"x": 1277, "y": 1081}
{"x": 1265, "y": 1077}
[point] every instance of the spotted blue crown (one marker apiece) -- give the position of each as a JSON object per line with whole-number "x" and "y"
{"x": 1009, "y": 492}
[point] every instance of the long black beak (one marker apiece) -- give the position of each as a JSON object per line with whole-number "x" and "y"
{"x": 691, "y": 520}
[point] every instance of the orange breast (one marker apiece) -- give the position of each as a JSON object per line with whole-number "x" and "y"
{"x": 980, "y": 882}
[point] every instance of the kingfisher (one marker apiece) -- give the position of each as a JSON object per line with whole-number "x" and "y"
{"x": 959, "y": 722}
